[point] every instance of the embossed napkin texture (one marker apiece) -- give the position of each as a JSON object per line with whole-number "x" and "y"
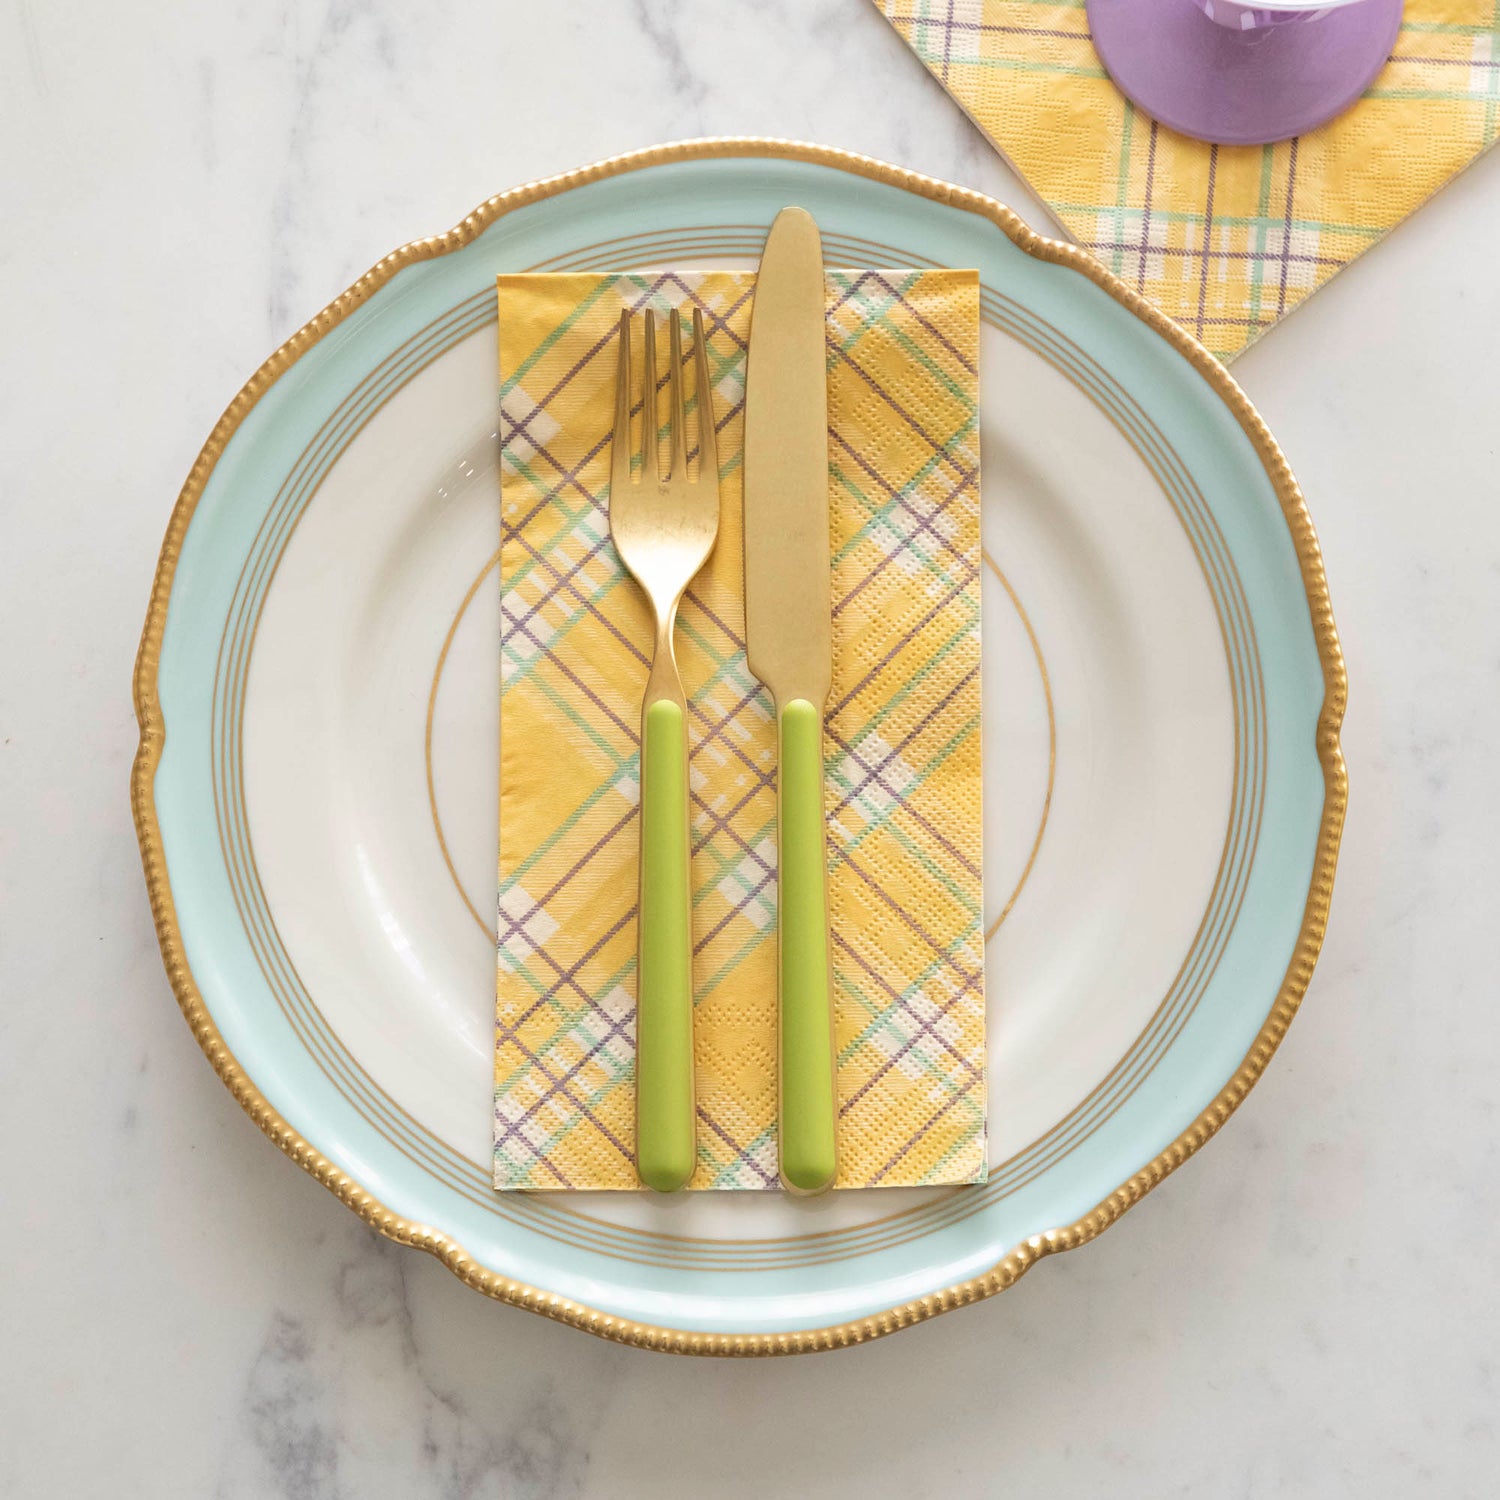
{"x": 903, "y": 745}
{"x": 1225, "y": 239}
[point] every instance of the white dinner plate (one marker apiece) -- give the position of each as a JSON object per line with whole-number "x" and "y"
{"x": 316, "y": 787}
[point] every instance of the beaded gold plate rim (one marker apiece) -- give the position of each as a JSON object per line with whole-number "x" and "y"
{"x": 1015, "y": 1264}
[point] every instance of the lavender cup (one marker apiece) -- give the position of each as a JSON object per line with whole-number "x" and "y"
{"x": 1239, "y": 73}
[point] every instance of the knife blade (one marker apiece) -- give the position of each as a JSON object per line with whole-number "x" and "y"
{"x": 788, "y": 640}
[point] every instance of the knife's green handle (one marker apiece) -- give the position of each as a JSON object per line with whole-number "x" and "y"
{"x": 666, "y": 1146}
{"x": 808, "y": 1152}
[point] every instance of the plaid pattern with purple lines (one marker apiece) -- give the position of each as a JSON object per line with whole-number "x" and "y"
{"x": 903, "y": 769}
{"x": 1226, "y": 240}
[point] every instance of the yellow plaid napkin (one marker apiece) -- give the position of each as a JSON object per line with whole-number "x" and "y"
{"x": 1225, "y": 239}
{"x": 903, "y": 772}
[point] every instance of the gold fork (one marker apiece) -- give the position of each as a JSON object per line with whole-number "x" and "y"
{"x": 664, "y": 527}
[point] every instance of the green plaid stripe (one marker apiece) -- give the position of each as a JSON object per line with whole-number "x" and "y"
{"x": 1225, "y": 240}
{"x": 563, "y": 583}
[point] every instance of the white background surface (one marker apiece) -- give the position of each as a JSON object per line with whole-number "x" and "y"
{"x": 1310, "y": 1308}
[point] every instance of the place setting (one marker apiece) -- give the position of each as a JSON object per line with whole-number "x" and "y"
{"x": 831, "y": 725}
{"x": 914, "y": 697}
{"x": 742, "y": 746}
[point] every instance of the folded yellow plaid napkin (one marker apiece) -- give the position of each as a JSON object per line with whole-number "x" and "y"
{"x": 1225, "y": 239}
{"x": 903, "y": 773}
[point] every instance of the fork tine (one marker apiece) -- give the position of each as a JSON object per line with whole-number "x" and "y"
{"x": 620, "y": 446}
{"x": 679, "y": 421}
{"x": 651, "y": 462}
{"x": 708, "y": 444}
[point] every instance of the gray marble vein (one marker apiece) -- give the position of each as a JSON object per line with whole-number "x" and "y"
{"x": 1306, "y": 1311}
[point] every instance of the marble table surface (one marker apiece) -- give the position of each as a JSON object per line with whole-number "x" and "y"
{"x": 1309, "y": 1309}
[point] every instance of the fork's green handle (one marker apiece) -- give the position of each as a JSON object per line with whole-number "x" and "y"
{"x": 808, "y": 1152}
{"x": 666, "y": 1146}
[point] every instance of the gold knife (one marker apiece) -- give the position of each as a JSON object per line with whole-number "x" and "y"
{"x": 788, "y": 634}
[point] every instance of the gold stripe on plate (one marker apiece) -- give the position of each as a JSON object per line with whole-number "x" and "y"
{"x": 460, "y": 322}
{"x": 1062, "y": 1138}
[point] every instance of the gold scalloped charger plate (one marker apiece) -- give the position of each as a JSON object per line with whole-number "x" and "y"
{"x": 315, "y": 788}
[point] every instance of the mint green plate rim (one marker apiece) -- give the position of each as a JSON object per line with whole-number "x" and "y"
{"x": 1214, "y": 1060}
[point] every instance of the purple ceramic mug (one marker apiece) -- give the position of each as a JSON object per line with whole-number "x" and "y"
{"x": 1241, "y": 74}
